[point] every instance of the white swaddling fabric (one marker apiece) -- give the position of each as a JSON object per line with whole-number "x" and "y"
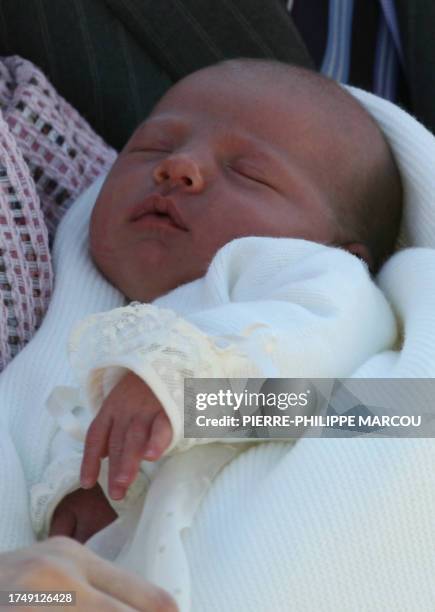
{"x": 155, "y": 548}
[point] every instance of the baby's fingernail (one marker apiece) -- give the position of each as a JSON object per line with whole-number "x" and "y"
{"x": 116, "y": 492}
{"x": 150, "y": 453}
{"x": 122, "y": 478}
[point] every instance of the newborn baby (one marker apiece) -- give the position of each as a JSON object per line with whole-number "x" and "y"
{"x": 244, "y": 148}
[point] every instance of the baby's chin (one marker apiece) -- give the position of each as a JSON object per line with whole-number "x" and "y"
{"x": 150, "y": 274}
{"x": 156, "y": 287}
{"x": 141, "y": 290}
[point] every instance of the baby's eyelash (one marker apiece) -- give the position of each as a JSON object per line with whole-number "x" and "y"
{"x": 251, "y": 177}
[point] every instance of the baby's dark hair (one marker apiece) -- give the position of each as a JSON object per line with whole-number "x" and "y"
{"x": 365, "y": 187}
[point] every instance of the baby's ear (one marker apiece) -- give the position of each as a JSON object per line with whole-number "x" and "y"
{"x": 361, "y": 251}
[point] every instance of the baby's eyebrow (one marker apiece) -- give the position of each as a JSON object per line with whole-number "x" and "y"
{"x": 262, "y": 156}
{"x": 265, "y": 156}
{"x": 167, "y": 122}
{"x": 255, "y": 148}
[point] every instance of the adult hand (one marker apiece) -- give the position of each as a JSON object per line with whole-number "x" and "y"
{"x": 60, "y": 564}
{"x": 131, "y": 426}
{"x": 81, "y": 514}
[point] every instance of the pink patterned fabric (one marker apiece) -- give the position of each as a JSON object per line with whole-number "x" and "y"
{"x": 48, "y": 156}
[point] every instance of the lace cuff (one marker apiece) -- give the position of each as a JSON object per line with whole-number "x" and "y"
{"x": 158, "y": 346}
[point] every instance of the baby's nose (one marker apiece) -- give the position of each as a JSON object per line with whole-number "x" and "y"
{"x": 180, "y": 170}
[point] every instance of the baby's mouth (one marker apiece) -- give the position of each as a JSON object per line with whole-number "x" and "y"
{"x": 159, "y": 211}
{"x": 159, "y": 220}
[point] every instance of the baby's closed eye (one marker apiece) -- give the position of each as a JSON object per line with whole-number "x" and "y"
{"x": 251, "y": 174}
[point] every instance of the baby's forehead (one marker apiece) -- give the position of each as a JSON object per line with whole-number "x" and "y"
{"x": 227, "y": 87}
{"x": 211, "y": 98}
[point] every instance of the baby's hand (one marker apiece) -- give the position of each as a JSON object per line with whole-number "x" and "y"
{"x": 130, "y": 426}
{"x": 81, "y": 514}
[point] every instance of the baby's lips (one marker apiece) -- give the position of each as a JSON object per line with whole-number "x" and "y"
{"x": 158, "y": 204}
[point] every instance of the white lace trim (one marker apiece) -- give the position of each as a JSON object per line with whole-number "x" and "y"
{"x": 138, "y": 327}
{"x": 159, "y": 346}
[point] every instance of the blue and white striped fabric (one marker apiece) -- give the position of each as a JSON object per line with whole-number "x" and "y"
{"x": 386, "y": 65}
{"x": 390, "y": 19}
{"x": 387, "y": 55}
{"x": 336, "y": 61}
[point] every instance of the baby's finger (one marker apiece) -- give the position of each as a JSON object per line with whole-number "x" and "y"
{"x": 160, "y": 436}
{"x": 95, "y": 448}
{"x": 117, "y": 440}
{"x": 134, "y": 448}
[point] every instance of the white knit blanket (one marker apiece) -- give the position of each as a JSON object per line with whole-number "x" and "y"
{"x": 320, "y": 525}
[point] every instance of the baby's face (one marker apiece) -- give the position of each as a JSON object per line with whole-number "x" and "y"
{"x": 217, "y": 159}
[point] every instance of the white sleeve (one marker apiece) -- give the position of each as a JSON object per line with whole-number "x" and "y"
{"x": 267, "y": 308}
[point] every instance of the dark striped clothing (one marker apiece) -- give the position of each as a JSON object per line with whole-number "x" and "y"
{"x": 112, "y": 59}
